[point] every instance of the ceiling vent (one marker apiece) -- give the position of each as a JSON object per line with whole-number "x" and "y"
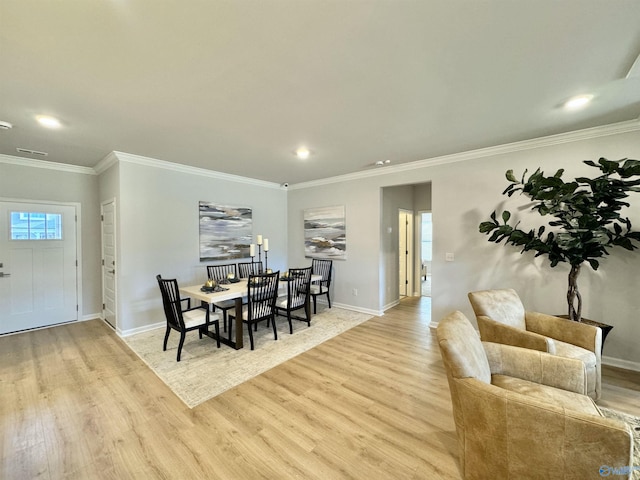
{"x": 32, "y": 152}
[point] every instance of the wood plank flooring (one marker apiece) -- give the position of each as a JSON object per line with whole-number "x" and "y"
{"x": 373, "y": 403}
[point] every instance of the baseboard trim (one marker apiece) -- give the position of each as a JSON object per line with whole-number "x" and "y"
{"x": 619, "y": 363}
{"x": 353, "y": 308}
{"x": 146, "y": 328}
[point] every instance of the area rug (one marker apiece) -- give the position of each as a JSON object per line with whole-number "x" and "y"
{"x": 634, "y": 423}
{"x": 205, "y": 371}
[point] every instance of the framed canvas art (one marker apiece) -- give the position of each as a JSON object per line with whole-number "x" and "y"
{"x": 225, "y": 231}
{"x": 325, "y": 233}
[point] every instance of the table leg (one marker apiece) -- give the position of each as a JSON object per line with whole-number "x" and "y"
{"x": 239, "y": 341}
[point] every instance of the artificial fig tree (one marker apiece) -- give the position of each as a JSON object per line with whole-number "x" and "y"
{"x": 585, "y": 220}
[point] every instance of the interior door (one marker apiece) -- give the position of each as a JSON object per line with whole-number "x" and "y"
{"x": 109, "y": 263}
{"x": 39, "y": 269}
{"x": 405, "y": 252}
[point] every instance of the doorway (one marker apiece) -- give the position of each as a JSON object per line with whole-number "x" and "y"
{"x": 38, "y": 265}
{"x": 426, "y": 245}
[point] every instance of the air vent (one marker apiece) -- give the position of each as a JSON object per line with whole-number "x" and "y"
{"x": 32, "y": 152}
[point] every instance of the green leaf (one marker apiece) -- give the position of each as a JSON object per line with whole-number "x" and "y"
{"x": 506, "y": 215}
{"x": 510, "y": 176}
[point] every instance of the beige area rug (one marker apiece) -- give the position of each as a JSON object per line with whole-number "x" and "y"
{"x": 634, "y": 423}
{"x": 205, "y": 371}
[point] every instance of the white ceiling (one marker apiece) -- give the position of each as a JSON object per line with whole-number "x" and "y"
{"x": 237, "y": 86}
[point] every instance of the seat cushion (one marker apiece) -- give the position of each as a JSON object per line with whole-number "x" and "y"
{"x": 318, "y": 289}
{"x": 194, "y": 318}
{"x": 225, "y": 304}
{"x": 544, "y": 393}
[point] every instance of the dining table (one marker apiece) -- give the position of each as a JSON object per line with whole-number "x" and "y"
{"x": 234, "y": 291}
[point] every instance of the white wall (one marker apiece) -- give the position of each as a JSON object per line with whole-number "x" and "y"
{"x": 464, "y": 193}
{"x": 20, "y": 180}
{"x": 159, "y": 230}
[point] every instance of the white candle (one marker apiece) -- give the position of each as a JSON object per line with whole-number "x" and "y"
{"x": 252, "y": 250}
{"x": 259, "y": 242}
{"x": 266, "y": 244}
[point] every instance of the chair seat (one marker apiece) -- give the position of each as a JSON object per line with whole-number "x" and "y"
{"x": 318, "y": 289}
{"x": 225, "y": 304}
{"x": 544, "y": 393}
{"x": 564, "y": 349}
{"x": 197, "y": 317}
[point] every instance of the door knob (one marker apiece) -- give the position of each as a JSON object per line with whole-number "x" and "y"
{"x": 5, "y": 274}
{"x": 112, "y": 271}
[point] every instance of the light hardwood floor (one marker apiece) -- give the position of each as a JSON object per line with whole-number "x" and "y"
{"x": 373, "y": 403}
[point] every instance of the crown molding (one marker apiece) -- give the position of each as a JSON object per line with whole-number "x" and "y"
{"x": 575, "y": 136}
{"x": 30, "y": 162}
{"x": 177, "y": 167}
{"x": 106, "y": 163}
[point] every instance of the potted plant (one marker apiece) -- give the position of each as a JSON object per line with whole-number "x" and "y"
{"x": 585, "y": 220}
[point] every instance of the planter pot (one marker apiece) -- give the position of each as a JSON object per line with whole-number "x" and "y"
{"x": 602, "y": 326}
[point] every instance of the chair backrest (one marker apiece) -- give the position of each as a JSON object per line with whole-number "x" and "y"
{"x": 262, "y": 295}
{"x": 171, "y": 301}
{"x": 220, "y": 272}
{"x": 250, "y": 268}
{"x": 298, "y": 287}
{"x": 461, "y": 348}
{"x": 323, "y": 268}
{"x": 502, "y": 305}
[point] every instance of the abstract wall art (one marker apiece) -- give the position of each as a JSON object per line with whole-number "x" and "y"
{"x": 225, "y": 231}
{"x": 325, "y": 233}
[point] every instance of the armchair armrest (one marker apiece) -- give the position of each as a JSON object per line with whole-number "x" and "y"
{"x": 568, "y": 331}
{"x": 535, "y": 366}
{"x": 188, "y": 300}
{"x": 492, "y": 331}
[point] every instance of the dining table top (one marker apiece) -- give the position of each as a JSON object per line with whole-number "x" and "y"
{"x": 229, "y": 291}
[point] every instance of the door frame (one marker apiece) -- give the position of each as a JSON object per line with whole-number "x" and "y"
{"x": 103, "y": 266}
{"x": 78, "y": 208}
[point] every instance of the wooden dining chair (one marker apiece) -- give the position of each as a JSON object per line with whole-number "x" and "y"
{"x": 262, "y": 291}
{"x": 250, "y": 268}
{"x": 297, "y": 296}
{"x": 184, "y": 320}
{"x": 219, "y": 273}
{"x": 321, "y": 287}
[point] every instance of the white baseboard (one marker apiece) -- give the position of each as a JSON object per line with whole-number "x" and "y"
{"x": 354, "y": 308}
{"x": 619, "y": 363}
{"x": 91, "y": 316}
{"x": 145, "y": 328}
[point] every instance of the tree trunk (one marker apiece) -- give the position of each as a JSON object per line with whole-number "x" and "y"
{"x": 574, "y": 299}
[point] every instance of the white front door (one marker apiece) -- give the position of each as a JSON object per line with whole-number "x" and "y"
{"x": 38, "y": 276}
{"x": 109, "y": 263}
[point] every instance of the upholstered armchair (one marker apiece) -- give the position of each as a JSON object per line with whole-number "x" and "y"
{"x": 524, "y": 414}
{"x": 502, "y": 318}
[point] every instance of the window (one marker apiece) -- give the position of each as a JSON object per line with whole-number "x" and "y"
{"x": 36, "y": 226}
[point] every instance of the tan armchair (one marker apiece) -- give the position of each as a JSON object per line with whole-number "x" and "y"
{"x": 524, "y": 414}
{"x": 502, "y": 319}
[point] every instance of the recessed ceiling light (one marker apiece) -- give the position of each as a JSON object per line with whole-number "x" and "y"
{"x": 49, "y": 122}
{"x": 303, "y": 153}
{"x": 5, "y": 125}
{"x": 382, "y": 163}
{"x": 578, "y": 102}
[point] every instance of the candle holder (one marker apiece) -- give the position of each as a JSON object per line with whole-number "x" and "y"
{"x": 259, "y": 253}
{"x": 266, "y": 261}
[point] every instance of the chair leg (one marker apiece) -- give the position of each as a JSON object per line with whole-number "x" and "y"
{"x": 166, "y": 337}
{"x": 250, "y": 336}
{"x": 217, "y": 328}
{"x": 328, "y": 299}
{"x": 275, "y": 331}
{"x": 224, "y": 319}
{"x": 182, "y": 335}
{"x": 314, "y": 305}
{"x": 290, "y": 324}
